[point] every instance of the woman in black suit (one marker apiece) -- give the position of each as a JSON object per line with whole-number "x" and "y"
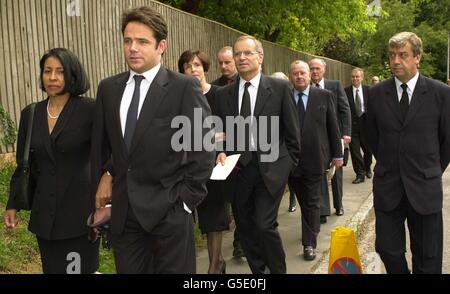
{"x": 213, "y": 216}
{"x": 59, "y": 156}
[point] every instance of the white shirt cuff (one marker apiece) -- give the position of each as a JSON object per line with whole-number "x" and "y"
{"x": 186, "y": 208}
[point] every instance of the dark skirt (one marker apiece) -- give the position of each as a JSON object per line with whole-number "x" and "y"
{"x": 213, "y": 212}
{"x": 66, "y": 256}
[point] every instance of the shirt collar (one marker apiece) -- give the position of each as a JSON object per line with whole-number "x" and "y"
{"x": 411, "y": 83}
{"x": 254, "y": 82}
{"x": 304, "y": 92}
{"x": 149, "y": 75}
{"x": 322, "y": 83}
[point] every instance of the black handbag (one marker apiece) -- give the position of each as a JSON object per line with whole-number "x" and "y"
{"x": 23, "y": 189}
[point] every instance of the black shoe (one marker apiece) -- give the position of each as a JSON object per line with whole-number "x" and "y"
{"x": 340, "y": 211}
{"x": 309, "y": 253}
{"x": 369, "y": 174}
{"x": 292, "y": 208}
{"x": 238, "y": 252}
{"x": 358, "y": 180}
{"x": 323, "y": 219}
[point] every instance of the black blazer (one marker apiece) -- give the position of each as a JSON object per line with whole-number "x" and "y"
{"x": 414, "y": 152}
{"x": 320, "y": 135}
{"x": 60, "y": 166}
{"x": 274, "y": 100}
{"x": 152, "y": 177}
{"x": 358, "y": 123}
{"x": 222, "y": 80}
{"x": 342, "y": 106}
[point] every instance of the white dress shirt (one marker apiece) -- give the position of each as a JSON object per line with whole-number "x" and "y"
{"x": 360, "y": 93}
{"x": 411, "y": 86}
{"x": 253, "y": 91}
{"x": 128, "y": 93}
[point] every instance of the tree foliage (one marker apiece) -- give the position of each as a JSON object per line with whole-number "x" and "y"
{"x": 339, "y": 29}
{"x": 299, "y": 24}
{"x": 428, "y": 19}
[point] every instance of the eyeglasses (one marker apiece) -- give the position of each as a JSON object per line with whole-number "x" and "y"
{"x": 246, "y": 53}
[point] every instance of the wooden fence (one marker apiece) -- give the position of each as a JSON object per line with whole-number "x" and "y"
{"x": 92, "y": 30}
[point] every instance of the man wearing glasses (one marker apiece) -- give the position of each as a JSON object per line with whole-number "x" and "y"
{"x": 257, "y": 182}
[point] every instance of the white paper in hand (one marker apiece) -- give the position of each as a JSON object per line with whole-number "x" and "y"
{"x": 221, "y": 172}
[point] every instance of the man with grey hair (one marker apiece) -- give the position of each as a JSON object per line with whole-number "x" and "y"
{"x": 320, "y": 147}
{"x": 318, "y": 68}
{"x": 258, "y": 183}
{"x": 409, "y": 133}
{"x": 375, "y": 80}
{"x": 357, "y": 94}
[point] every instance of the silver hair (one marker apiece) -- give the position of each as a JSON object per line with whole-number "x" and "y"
{"x": 400, "y": 40}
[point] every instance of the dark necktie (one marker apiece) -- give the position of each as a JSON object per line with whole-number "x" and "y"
{"x": 358, "y": 104}
{"x": 404, "y": 101}
{"x": 132, "y": 113}
{"x": 246, "y": 156}
{"x": 317, "y": 85}
{"x": 301, "y": 109}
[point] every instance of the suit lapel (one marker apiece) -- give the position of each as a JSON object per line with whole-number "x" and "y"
{"x": 42, "y": 125}
{"x": 153, "y": 98}
{"x": 392, "y": 99}
{"x": 311, "y": 106}
{"x": 262, "y": 95}
{"x": 417, "y": 99}
{"x": 116, "y": 99}
{"x": 233, "y": 94}
{"x": 64, "y": 117}
{"x": 366, "y": 96}
{"x": 351, "y": 100}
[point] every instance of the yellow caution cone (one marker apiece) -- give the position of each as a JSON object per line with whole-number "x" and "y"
{"x": 344, "y": 256}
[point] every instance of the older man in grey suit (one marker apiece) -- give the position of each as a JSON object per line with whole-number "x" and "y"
{"x": 318, "y": 67}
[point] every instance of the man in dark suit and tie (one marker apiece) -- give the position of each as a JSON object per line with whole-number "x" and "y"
{"x": 357, "y": 97}
{"x": 318, "y": 67}
{"x": 227, "y": 67}
{"x": 409, "y": 133}
{"x": 271, "y": 152}
{"x": 320, "y": 146}
{"x": 156, "y": 184}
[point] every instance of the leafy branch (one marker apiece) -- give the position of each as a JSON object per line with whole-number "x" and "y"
{"x": 7, "y": 128}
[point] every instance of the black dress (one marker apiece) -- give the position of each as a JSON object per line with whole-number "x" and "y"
{"x": 213, "y": 214}
{"x": 62, "y": 199}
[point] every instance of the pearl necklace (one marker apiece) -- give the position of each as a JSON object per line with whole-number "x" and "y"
{"x": 51, "y": 116}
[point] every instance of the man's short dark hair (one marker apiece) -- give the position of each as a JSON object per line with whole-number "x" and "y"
{"x": 148, "y": 17}
{"x": 188, "y": 55}
{"x": 76, "y": 81}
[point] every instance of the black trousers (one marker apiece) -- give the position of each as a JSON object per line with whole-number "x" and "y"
{"x": 75, "y": 255}
{"x": 426, "y": 239}
{"x": 256, "y": 212}
{"x": 361, "y": 163}
{"x": 337, "y": 190}
{"x": 308, "y": 191}
{"x": 168, "y": 249}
